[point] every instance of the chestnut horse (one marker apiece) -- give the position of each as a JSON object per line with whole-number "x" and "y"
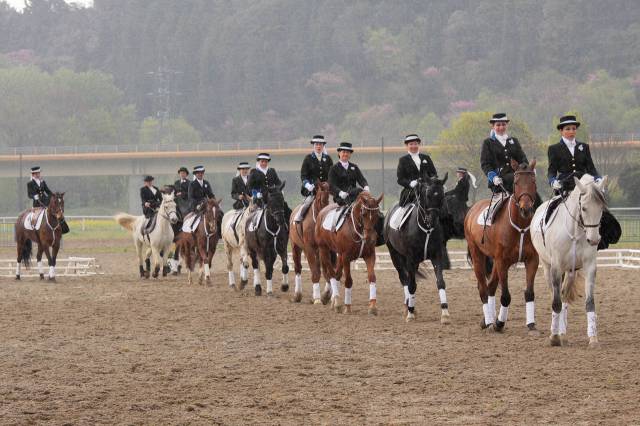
{"x": 356, "y": 238}
{"x": 48, "y": 236}
{"x": 303, "y": 239}
{"x": 507, "y": 241}
{"x": 201, "y": 244}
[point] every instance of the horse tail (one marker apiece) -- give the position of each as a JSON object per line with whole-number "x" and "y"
{"x": 25, "y": 253}
{"x": 569, "y": 287}
{"x": 126, "y": 220}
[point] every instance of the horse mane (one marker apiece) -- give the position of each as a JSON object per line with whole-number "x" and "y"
{"x": 589, "y": 182}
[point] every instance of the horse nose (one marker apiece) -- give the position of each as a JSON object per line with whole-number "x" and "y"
{"x": 593, "y": 242}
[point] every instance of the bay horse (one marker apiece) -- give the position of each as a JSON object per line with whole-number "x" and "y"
{"x": 49, "y": 236}
{"x": 421, "y": 237}
{"x": 507, "y": 241}
{"x": 567, "y": 244}
{"x": 302, "y": 238}
{"x": 233, "y": 229}
{"x": 355, "y": 239}
{"x": 157, "y": 243}
{"x": 267, "y": 237}
{"x": 202, "y": 242}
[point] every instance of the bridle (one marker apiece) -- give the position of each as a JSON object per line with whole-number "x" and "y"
{"x": 426, "y": 215}
{"x": 516, "y": 202}
{"x": 60, "y": 211}
{"x": 274, "y": 214}
{"x": 363, "y": 208}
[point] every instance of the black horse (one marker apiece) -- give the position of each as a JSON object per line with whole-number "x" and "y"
{"x": 421, "y": 237}
{"x": 267, "y": 236}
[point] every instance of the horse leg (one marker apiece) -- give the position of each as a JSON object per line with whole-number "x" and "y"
{"x": 165, "y": 259}
{"x": 438, "y": 266}
{"x": 479, "y": 269}
{"x": 155, "y": 262}
{"x": 175, "y": 261}
{"x": 371, "y": 275}
{"x": 329, "y": 275}
{"x": 204, "y": 259}
{"x": 269, "y": 260}
{"x": 590, "y": 304}
{"x": 555, "y": 276}
{"x": 296, "y": 254}
{"x": 244, "y": 266}
{"x": 256, "y": 272}
{"x": 39, "y": 262}
{"x": 140, "y": 257}
{"x": 411, "y": 287}
{"x": 505, "y": 297}
{"x": 284, "y": 287}
{"x": 348, "y": 284}
{"x": 531, "y": 265}
{"x": 492, "y": 288}
{"x": 398, "y": 262}
{"x": 50, "y": 262}
{"x": 228, "y": 250}
{"x": 20, "y": 245}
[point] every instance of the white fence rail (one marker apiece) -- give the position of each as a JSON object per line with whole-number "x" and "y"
{"x": 68, "y": 267}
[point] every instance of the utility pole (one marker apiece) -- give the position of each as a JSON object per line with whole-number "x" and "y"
{"x": 163, "y": 94}
{"x": 382, "y": 161}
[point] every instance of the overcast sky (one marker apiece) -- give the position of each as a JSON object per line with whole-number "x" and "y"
{"x": 19, "y": 4}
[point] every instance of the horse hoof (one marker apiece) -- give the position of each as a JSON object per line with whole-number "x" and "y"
{"x": 499, "y": 326}
{"x": 445, "y": 318}
{"x": 297, "y": 298}
{"x": 284, "y": 288}
{"x": 52, "y": 279}
{"x": 347, "y": 309}
{"x": 258, "y": 290}
{"x": 554, "y": 340}
{"x": 318, "y": 302}
{"x": 17, "y": 277}
{"x": 326, "y": 296}
{"x": 174, "y": 273}
{"x": 533, "y": 332}
{"x": 488, "y": 328}
{"x": 41, "y": 276}
{"x": 243, "y": 283}
{"x": 593, "y": 342}
{"x": 483, "y": 325}
{"x": 233, "y": 287}
{"x": 373, "y": 311}
{"x": 411, "y": 317}
{"x": 270, "y": 294}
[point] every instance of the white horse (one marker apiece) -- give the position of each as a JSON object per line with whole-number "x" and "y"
{"x": 568, "y": 244}
{"x": 233, "y": 244}
{"x": 158, "y": 241}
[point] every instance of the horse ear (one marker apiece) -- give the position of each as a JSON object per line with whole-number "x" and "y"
{"x": 579, "y": 185}
{"x": 379, "y": 199}
{"x": 446, "y": 176}
{"x": 603, "y": 182}
{"x": 532, "y": 165}
{"x": 514, "y": 165}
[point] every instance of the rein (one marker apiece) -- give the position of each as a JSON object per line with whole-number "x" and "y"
{"x": 53, "y": 229}
{"x": 275, "y": 233}
{"x": 580, "y": 224}
{"x": 355, "y": 228}
{"x": 522, "y": 231}
{"x": 423, "y": 213}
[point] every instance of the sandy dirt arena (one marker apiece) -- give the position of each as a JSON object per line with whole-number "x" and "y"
{"x": 115, "y": 349}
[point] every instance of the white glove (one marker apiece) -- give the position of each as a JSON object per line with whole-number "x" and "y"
{"x": 309, "y": 186}
{"x": 598, "y": 180}
{"x": 36, "y": 197}
{"x": 497, "y": 181}
{"x": 343, "y": 195}
{"x": 556, "y": 184}
{"x": 413, "y": 183}
{"x": 259, "y": 195}
{"x": 366, "y": 188}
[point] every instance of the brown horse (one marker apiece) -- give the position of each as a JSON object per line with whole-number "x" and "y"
{"x": 356, "y": 238}
{"x": 302, "y": 237}
{"x": 201, "y": 244}
{"x": 507, "y": 241}
{"x": 48, "y": 236}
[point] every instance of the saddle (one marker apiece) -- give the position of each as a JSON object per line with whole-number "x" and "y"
{"x": 233, "y": 224}
{"x": 400, "y": 216}
{"x": 335, "y": 218}
{"x": 255, "y": 219}
{"x": 191, "y": 222}
{"x": 486, "y": 216}
{"x": 149, "y": 224}
{"x": 33, "y": 220}
{"x": 551, "y": 207}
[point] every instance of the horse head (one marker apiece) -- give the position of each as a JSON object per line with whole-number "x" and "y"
{"x": 211, "y": 213}
{"x": 168, "y": 207}
{"x": 591, "y": 203}
{"x": 56, "y": 205}
{"x": 275, "y": 205}
{"x": 367, "y": 207}
{"x": 431, "y": 193}
{"x": 524, "y": 187}
{"x": 323, "y": 191}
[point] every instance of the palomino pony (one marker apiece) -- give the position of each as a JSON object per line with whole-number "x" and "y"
{"x": 233, "y": 229}
{"x": 202, "y": 242}
{"x": 302, "y": 238}
{"x": 355, "y": 239}
{"x": 567, "y": 244}
{"x": 267, "y": 237}
{"x": 158, "y": 241}
{"x": 421, "y": 237}
{"x": 48, "y": 236}
{"x": 507, "y": 241}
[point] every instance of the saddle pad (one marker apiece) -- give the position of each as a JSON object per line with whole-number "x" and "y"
{"x": 487, "y": 215}
{"x": 400, "y": 215}
{"x": 484, "y": 217}
{"x": 255, "y": 220}
{"x": 191, "y": 223}
{"x": 28, "y": 221}
{"x": 330, "y": 219}
{"x": 554, "y": 213}
{"x": 234, "y": 219}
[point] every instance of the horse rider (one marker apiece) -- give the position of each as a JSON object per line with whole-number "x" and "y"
{"x": 200, "y": 191}
{"x": 413, "y": 167}
{"x": 151, "y": 199}
{"x": 345, "y": 176}
{"x": 261, "y": 178}
{"x": 181, "y": 191}
{"x": 315, "y": 167}
{"x": 37, "y": 189}
{"x": 239, "y": 189}
{"x": 461, "y": 190}
{"x": 569, "y": 158}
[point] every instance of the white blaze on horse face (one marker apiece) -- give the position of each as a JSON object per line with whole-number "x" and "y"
{"x": 531, "y": 310}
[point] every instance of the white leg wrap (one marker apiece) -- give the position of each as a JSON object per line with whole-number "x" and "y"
{"x": 207, "y": 272}
{"x": 285, "y": 279}
{"x": 443, "y": 296}
{"x": 555, "y": 323}
{"x": 372, "y": 291}
{"x": 406, "y": 293}
{"x": 335, "y": 287}
{"x": 531, "y": 312}
{"x": 52, "y": 271}
{"x": 327, "y": 287}
{"x": 269, "y": 286}
{"x": 173, "y": 264}
{"x": 243, "y": 273}
{"x": 256, "y": 277}
{"x": 298, "y": 280}
{"x": 316, "y": 291}
{"x": 412, "y": 301}
{"x": 563, "y": 319}
{"x": 492, "y": 305}
{"x": 40, "y": 267}
{"x": 232, "y": 278}
{"x": 488, "y": 314}
{"x": 592, "y": 329}
{"x": 17, "y": 268}
{"x": 504, "y": 312}
{"x": 347, "y": 296}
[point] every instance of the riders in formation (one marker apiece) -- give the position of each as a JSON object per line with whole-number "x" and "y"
{"x": 315, "y": 168}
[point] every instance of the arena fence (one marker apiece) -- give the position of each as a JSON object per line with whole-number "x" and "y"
{"x": 68, "y": 267}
